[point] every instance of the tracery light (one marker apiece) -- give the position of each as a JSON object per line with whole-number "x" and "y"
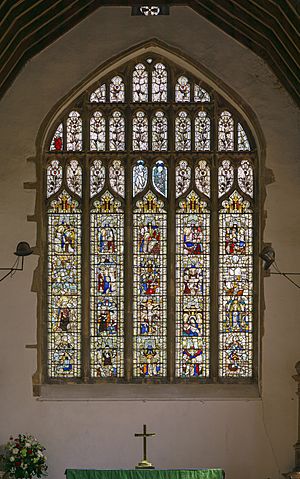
{"x": 159, "y": 132}
{"x": 117, "y": 90}
{"x": 97, "y": 177}
{"x": 245, "y": 177}
{"x": 54, "y": 177}
{"x": 140, "y": 83}
{"x": 97, "y": 132}
{"x": 225, "y": 177}
{"x": 200, "y": 94}
{"x": 117, "y": 132}
{"x": 99, "y": 95}
{"x": 140, "y": 177}
{"x": 183, "y": 132}
{"x": 243, "y": 142}
{"x": 74, "y": 132}
{"x": 140, "y": 132}
{"x": 202, "y": 131}
{"x": 182, "y": 89}
{"x": 117, "y": 177}
{"x": 159, "y": 83}
{"x": 57, "y": 140}
{"x": 183, "y": 178}
{"x": 160, "y": 177}
{"x": 74, "y": 177}
{"x": 202, "y": 177}
{"x": 226, "y": 132}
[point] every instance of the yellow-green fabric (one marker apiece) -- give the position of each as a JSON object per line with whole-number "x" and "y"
{"x": 145, "y": 474}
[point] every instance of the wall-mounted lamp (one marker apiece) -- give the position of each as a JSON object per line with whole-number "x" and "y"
{"x": 23, "y": 249}
{"x": 268, "y": 256}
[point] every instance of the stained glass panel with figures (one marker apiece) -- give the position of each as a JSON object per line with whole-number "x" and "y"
{"x": 64, "y": 288}
{"x": 192, "y": 288}
{"x": 159, "y": 83}
{"x": 140, "y": 83}
{"x": 74, "y": 132}
{"x": 183, "y": 132}
{"x": 140, "y": 132}
{"x": 140, "y": 177}
{"x": 107, "y": 288}
{"x": 150, "y": 288}
{"x": 97, "y": 132}
{"x": 235, "y": 288}
{"x": 159, "y": 132}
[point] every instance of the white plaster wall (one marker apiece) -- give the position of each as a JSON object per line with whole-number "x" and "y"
{"x": 251, "y": 439}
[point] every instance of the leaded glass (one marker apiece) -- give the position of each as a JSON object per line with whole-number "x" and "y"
{"x": 202, "y": 177}
{"x": 182, "y": 132}
{"x": 117, "y": 132}
{"x": 140, "y": 177}
{"x": 97, "y": 132}
{"x": 159, "y": 132}
{"x": 160, "y": 177}
{"x": 225, "y": 132}
{"x": 225, "y": 177}
{"x": 107, "y": 288}
{"x": 74, "y": 132}
{"x": 99, "y": 95}
{"x": 97, "y": 177}
{"x": 140, "y": 132}
{"x": 159, "y": 83}
{"x": 64, "y": 288}
{"x": 140, "y": 83}
{"x": 243, "y": 142}
{"x": 182, "y": 89}
{"x": 245, "y": 177}
{"x": 54, "y": 177}
{"x": 183, "y": 178}
{"x": 202, "y": 131}
{"x": 57, "y": 140}
{"x": 200, "y": 94}
{"x": 117, "y": 177}
{"x": 74, "y": 177}
{"x": 150, "y": 288}
{"x": 192, "y": 288}
{"x": 117, "y": 90}
{"x": 235, "y": 288}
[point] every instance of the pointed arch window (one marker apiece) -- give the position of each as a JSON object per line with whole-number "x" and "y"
{"x": 151, "y": 204}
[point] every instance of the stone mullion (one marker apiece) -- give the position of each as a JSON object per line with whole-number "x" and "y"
{"x": 214, "y": 255}
{"x": 85, "y": 271}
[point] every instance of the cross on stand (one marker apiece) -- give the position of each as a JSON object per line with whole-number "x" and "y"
{"x": 144, "y": 464}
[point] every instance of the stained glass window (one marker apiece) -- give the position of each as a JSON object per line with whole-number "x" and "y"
{"x": 140, "y": 83}
{"x": 150, "y": 201}
{"x": 97, "y": 131}
{"x": 183, "y": 132}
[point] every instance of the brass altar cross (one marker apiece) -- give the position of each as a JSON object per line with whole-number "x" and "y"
{"x": 144, "y": 464}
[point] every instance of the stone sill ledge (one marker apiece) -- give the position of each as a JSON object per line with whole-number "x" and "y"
{"x": 149, "y": 392}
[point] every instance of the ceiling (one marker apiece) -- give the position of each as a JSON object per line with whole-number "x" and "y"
{"x": 270, "y": 28}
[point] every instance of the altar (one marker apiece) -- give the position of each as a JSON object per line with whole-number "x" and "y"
{"x": 145, "y": 474}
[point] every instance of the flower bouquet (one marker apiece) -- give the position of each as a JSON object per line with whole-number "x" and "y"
{"x": 24, "y": 458}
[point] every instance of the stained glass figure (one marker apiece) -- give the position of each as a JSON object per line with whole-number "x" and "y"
{"x": 97, "y": 177}
{"x": 159, "y": 83}
{"x": 107, "y": 288}
{"x": 117, "y": 132}
{"x": 192, "y": 288}
{"x": 182, "y": 132}
{"x": 202, "y": 131}
{"x": 97, "y": 132}
{"x": 74, "y": 132}
{"x": 245, "y": 177}
{"x": 139, "y": 177}
{"x": 202, "y": 177}
{"x": 140, "y": 83}
{"x": 117, "y": 177}
{"x": 57, "y": 140}
{"x": 74, "y": 177}
{"x": 159, "y": 132}
{"x": 182, "y": 89}
{"x": 117, "y": 90}
{"x": 64, "y": 288}
{"x": 54, "y": 177}
{"x": 99, "y": 95}
{"x": 160, "y": 177}
{"x": 140, "y": 132}
{"x": 183, "y": 177}
{"x": 226, "y": 132}
{"x": 150, "y": 288}
{"x": 243, "y": 142}
{"x": 200, "y": 94}
{"x": 235, "y": 288}
{"x": 225, "y": 177}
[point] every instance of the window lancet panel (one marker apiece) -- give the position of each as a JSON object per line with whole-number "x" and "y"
{"x": 158, "y": 181}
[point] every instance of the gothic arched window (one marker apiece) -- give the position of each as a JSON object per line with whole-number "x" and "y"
{"x": 150, "y": 203}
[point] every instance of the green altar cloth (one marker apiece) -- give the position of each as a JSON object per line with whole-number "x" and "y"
{"x": 145, "y": 474}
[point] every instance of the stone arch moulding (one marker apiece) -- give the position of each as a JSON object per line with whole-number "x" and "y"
{"x": 168, "y": 391}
